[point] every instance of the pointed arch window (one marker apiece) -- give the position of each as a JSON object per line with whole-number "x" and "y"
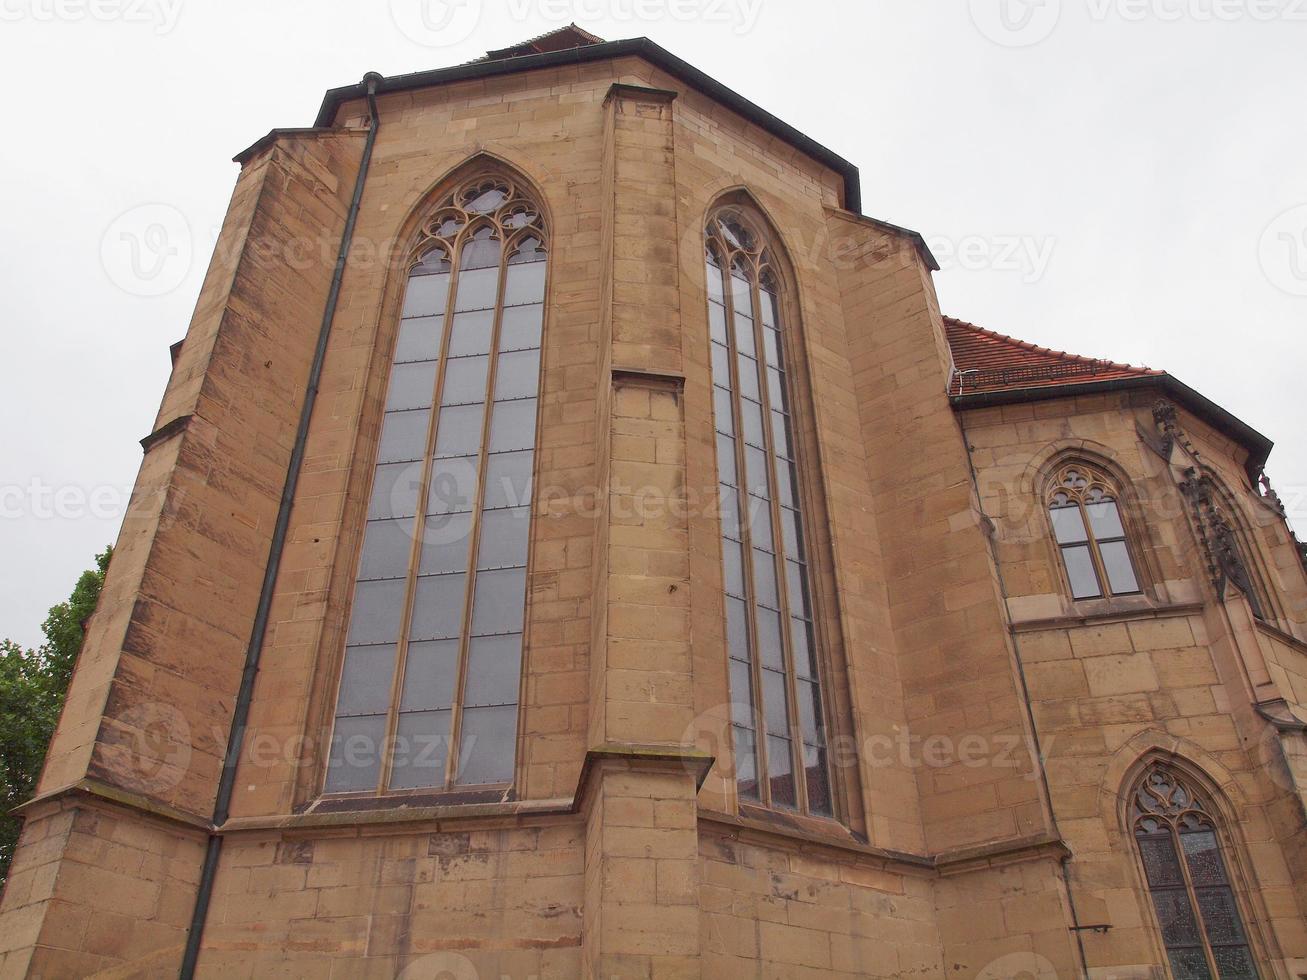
{"x": 1082, "y": 505}
{"x": 777, "y": 714}
{"x": 1180, "y": 849}
{"x": 429, "y": 689}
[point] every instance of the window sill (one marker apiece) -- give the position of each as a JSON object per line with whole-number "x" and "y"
{"x": 1091, "y": 611}
{"x": 354, "y": 811}
{"x": 808, "y": 831}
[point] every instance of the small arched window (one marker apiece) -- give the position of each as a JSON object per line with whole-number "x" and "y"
{"x": 1082, "y": 505}
{"x": 429, "y": 689}
{"x": 1179, "y": 845}
{"x": 777, "y": 718}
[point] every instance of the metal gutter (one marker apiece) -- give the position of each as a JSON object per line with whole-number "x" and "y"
{"x": 1258, "y": 446}
{"x": 640, "y": 47}
{"x": 240, "y": 715}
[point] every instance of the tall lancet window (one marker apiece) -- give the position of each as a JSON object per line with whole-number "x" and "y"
{"x": 1188, "y": 877}
{"x": 429, "y": 691}
{"x": 777, "y": 719}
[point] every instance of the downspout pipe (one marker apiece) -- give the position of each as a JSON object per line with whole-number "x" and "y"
{"x": 254, "y": 652}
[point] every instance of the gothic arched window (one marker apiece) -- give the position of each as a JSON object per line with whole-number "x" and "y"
{"x": 1187, "y": 874}
{"x": 429, "y": 690}
{"x": 777, "y": 717}
{"x": 1082, "y": 504}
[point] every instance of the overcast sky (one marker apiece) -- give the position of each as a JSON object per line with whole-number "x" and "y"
{"x": 1117, "y": 178}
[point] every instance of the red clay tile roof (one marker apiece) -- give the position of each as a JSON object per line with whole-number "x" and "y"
{"x": 989, "y": 361}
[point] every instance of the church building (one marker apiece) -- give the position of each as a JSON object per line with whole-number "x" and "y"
{"x": 573, "y": 543}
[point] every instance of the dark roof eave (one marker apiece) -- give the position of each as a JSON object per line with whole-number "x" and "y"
{"x": 1258, "y": 445}
{"x": 640, "y": 47}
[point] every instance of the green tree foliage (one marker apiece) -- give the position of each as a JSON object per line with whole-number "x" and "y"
{"x": 32, "y": 688}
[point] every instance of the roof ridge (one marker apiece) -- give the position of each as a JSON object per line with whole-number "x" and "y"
{"x": 498, "y": 53}
{"x": 1039, "y": 349}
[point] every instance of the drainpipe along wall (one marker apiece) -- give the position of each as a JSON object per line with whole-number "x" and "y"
{"x": 240, "y": 715}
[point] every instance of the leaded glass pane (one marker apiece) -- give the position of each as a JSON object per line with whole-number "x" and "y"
{"x": 526, "y": 284}
{"x": 1220, "y": 918}
{"x": 746, "y": 762}
{"x": 1080, "y": 570}
{"x": 419, "y": 338}
{"x": 412, "y": 385}
{"x": 387, "y": 548}
{"x": 425, "y": 296}
{"x": 722, "y": 411}
{"x": 1160, "y": 862}
{"x": 395, "y": 490}
{"x": 430, "y": 674}
{"x": 453, "y": 485}
{"x": 508, "y": 479}
{"x": 465, "y": 380}
{"x": 471, "y": 333}
{"x": 741, "y": 693}
{"x": 498, "y": 603}
{"x": 513, "y": 426}
{"x": 1188, "y": 964}
{"x": 521, "y": 327}
{"x": 1105, "y": 519}
{"x": 1120, "y": 573}
{"x": 504, "y": 537}
{"x": 446, "y": 539}
{"x": 764, "y": 579}
{"x": 494, "y": 670}
{"x": 459, "y": 430}
{"x": 354, "y": 760}
{"x": 1203, "y": 855}
{"x": 403, "y": 436}
{"x": 477, "y": 289}
{"x": 1234, "y": 963}
{"x": 780, "y": 768}
{"x": 487, "y": 749}
{"x": 365, "y": 680}
{"x": 421, "y": 747}
{"x": 1068, "y": 525}
{"x": 375, "y": 614}
{"x": 438, "y": 607}
{"x": 775, "y": 712}
{"x": 733, "y": 568}
{"x": 517, "y": 375}
{"x": 1175, "y": 915}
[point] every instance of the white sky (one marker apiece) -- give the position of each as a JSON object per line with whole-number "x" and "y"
{"x": 1109, "y": 176}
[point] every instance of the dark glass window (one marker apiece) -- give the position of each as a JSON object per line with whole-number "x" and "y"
{"x": 777, "y": 715}
{"x": 1193, "y": 897}
{"x": 1082, "y": 506}
{"x": 431, "y": 681}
